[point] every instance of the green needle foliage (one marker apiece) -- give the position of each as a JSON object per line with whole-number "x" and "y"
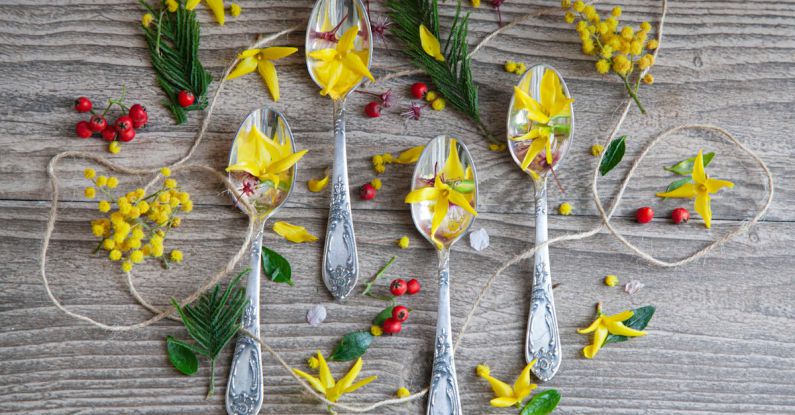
{"x": 453, "y": 77}
{"x": 173, "y": 40}
{"x": 212, "y": 321}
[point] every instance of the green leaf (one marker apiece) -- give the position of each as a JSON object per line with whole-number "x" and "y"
{"x": 613, "y": 154}
{"x": 181, "y": 356}
{"x": 638, "y": 321}
{"x": 542, "y": 404}
{"x": 276, "y": 267}
{"x": 677, "y": 184}
{"x": 685, "y": 167}
{"x": 352, "y": 346}
{"x": 383, "y": 315}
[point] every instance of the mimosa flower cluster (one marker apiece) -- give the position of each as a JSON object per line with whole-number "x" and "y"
{"x": 136, "y": 228}
{"x": 620, "y": 50}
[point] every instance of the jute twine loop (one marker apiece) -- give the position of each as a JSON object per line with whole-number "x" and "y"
{"x": 180, "y": 165}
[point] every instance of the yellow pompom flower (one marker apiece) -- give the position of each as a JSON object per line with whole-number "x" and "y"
{"x": 597, "y": 149}
{"x": 509, "y": 66}
{"x": 172, "y": 5}
{"x": 569, "y": 17}
{"x": 438, "y": 104}
{"x": 90, "y": 192}
{"x": 89, "y": 173}
{"x": 165, "y": 171}
{"x": 97, "y": 229}
{"x": 235, "y": 10}
{"x": 108, "y": 244}
{"x": 645, "y": 26}
{"x": 578, "y": 6}
{"x": 611, "y": 280}
{"x": 176, "y": 256}
{"x": 147, "y": 19}
{"x": 403, "y": 242}
{"x": 565, "y": 208}
{"x": 187, "y": 206}
{"x": 431, "y": 96}
{"x": 376, "y": 330}
{"x": 376, "y": 183}
{"x": 653, "y": 44}
{"x": 170, "y": 183}
{"x": 616, "y": 12}
{"x": 102, "y": 181}
{"x": 621, "y": 64}
{"x": 114, "y": 147}
{"x": 498, "y": 147}
{"x": 403, "y": 393}
{"x": 114, "y": 255}
{"x": 627, "y": 33}
{"x": 520, "y": 69}
{"x": 565, "y": 4}
{"x": 648, "y": 79}
{"x": 636, "y": 47}
{"x": 126, "y": 266}
{"x": 104, "y": 206}
{"x": 588, "y": 47}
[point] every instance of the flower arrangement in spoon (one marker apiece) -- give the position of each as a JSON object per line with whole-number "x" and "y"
{"x": 338, "y": 54}
{"x": 540, "y": 126}
{"x": 262, "y": 167}
{"x": 443, "y": 201}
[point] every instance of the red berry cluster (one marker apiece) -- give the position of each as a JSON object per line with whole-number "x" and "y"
{"x": 122, "y": 129}
{"x": 646, "y": 214}
{"x": 400, "y": 314}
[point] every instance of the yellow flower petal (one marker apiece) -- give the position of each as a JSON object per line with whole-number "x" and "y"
{"x": 460, "y": 200}
{"x": 430, "y": 44}
{"x": 217, "y": 7}
{"x": 325, "y": 374}
{"x": 315, "y": 382}
{"x": 317, "y": 185}
{"x": 592, "y": 327}
{"x": 453, "y": 168}
{"x": 268, "y": 73}
{"x": 293, "y": 233}
{"x": 439, "y": 213}
{"x": 248, "y": 52}
{"x": 549, "y": 90}
{"x": 598, "y": 340}
{"x": 287, "y": 162}
{"x": 523, "y": 381}
{"x": 699, "y": 175}
{"x": 335, "y": 71}
{"x": 355, "y": 64}
{"x": 622, "y": 316}
{"x": 532, "y": 134}
{"x": 421, "y": 195}
{"x": 246, "y": 166}
{"x": 360, "y": 383}
{"x": 410, "y": 156}
{"x": 347, "y": 40}
{"x": 713, "y": 185}
{"x": 324, "y": 55}
{"x": 620, "y": 329}
{"x": 191, "y": 4}
{"x": 504, "y": 402}
{"x": 277, "y": 52}
{"x": 535, "y": 148}
{"x": 535, "y": 111}
{"x": 245, "y": 66}
{"x": 500, "y": 388}
{"x": 349, "y": 377}
{"x": 687, "y": 190}
{"x": 703, "y": 208}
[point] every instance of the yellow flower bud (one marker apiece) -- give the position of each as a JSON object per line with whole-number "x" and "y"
{"x": 431, "y": 96}
{"x": 403, "y": 393}
{"x": 176, "y": 255}
{"x": 611, "y": 280}
{"x": 147, "y": 19}
{"x": 648, "y": 79}
{"x": 438, "y": 104}
{"x": 89, "y": 173}
{"x": 376, "y": 183}
{"x": 235, "y": 10}
{"x": 565, "y": 208}
{"x": 569, "y": 17}
{"x": 653, "y": 44}
{"x": 403, "y": 242}
{"x": 597, "y": 149}
{"x": 104, "y": 206}
{"x": 482, "y": 371}
{"x": 313, "y": 363}
{"x": 172, "y": 5}
{"x": 565, "y": 4}
{"x": 376, "y": 330}
{"x": 509, "y": 66}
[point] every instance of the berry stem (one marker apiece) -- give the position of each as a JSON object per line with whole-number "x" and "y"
{"x": 369, "y": 285}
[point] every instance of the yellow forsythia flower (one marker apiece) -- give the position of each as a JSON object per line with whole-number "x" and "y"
{"x": 605, "y": 324}
{"x": 376, "y": 330}
{"x": 217, "y": 7}
{"x": 325, "y": 383}
{"x": 147, "y": 19}
{"x": 565, "y": 209}
{"x": 430, "y": 44}
{"x": 376, "y": 183}
{"x": 403, "y": 242}
{"x": 235, "y": 10}
{"x": 191, "y": 4}
{"x": 611, "y": 280}
{"x": 293, "y": 233}
{"x": 438, "y": 104}
{"x": 89, "y": 173}
{"x": 508, "y": 395}
{"x": 403, "y": 393}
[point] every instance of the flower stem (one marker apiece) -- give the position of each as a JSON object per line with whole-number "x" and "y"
{"x": 633, "y": 95}
{"x": 379, "y": 274}
{"x": 211, "y": 389}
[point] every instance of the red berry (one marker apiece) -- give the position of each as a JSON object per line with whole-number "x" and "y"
{"x": 138, "y": 115}
{"x": 392, "y": 326}
{"x": 367, "y": 192}
{"x": 398, "y": 287}
{"x": 185, "y": 98}
{"x": 413, "y": 286}
{"x": 644, "y": 214}
{"x": 419, "y": 89}
{"x": 126, "y": 135}
{"x": 373, "y": 110}
{"x": 400, "y": 313}
{"x": 97, "y": 123}
{"x": 680, "y": 215}
{"x": 82, "y": 129}
{"x": 83, "y": 104}
{"x": 123, "y": 123}
{"x": 109, "y": 133}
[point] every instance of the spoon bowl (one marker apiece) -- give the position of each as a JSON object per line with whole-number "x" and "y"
{"x": 244, "y": 392}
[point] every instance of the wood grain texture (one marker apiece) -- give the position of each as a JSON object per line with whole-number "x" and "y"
{"x": 722, "y": 341}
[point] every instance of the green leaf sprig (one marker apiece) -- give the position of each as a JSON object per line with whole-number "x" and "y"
{"x": 212, "y": 320}
{"x": 275, "y": 267}
{"x": 453, "y": 76}
{"x": 173, "y": 41}
{"x": 542, "y": 404}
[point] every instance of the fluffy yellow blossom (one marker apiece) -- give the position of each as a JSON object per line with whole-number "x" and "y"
{"x": 648, "y": 79}
{"x": 611, "y": 280}
{"x": 114, "y": 255}
{"x": 565, "y": 208}
{"x": 565, "y": 4}
{"x": 498, "y": 146}
{"x": 126, "y": 266}
{"x": 621, "y": 65}
{"x": 509, "y": 66}
{"x": 108, "y": 244}
{"x": 235, "y": 10}
{"x": 578, "y": 6}
{"x": 376, "y": 330}
{"x": 104, "y": 206}
{"x": 653, "y": 44}
{"x": 403, "y": 242}
{"x": 438, "y": 104}
{"x": 147, "y": 19}
{"x": 170, "y": 183}
{"x": 313, "y": 363}
{"x": 597, "y": 149}
{"x": 114, "y": 147}
{"x": 165, "y": 171}
{"x": 376, "y": 183}
{"x": 569, "y": 17}
{"x": 102, "y": 181}
{"x": 616, "y": 12}
{"x": 603, "y": 66}
{"x": 89, "y": 173}
{"x": 520, "y": 69}
{"x": 403, "y": 393}
{"x": 431, "y": 96}
{"x": 176, "y": 256}
{"x": 187, "y": 207}
{"x": 90, "y": 192}
{"x": 645, "y": 26}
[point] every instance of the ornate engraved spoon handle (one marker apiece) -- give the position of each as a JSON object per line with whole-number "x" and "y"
{"x": 244, "y": 388}
{"x": 340, "y": 261}
{"x": 543, "y": 339}
{"x": 443, "y": 397}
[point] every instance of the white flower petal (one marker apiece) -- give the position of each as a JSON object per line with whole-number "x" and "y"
{"x": 633, "y": 286}
{"x": 479, "y": 239}
{"x": 316, "y": 315}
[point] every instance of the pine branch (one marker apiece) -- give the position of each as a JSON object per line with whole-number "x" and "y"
{"x": 173, "y": 41}
{"x": 453, "y": 77}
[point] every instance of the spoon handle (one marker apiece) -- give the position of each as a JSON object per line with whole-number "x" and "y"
{"x": 543, "y": 339}
{"x": 443, "y": 396}
{"x": 340, "y": 261}
{"x": 244, "y": 388}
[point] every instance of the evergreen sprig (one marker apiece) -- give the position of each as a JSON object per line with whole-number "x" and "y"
{"x": 173, "y": 41}
{"x": 453, "y": 77}
{"x": 212, "y": 321}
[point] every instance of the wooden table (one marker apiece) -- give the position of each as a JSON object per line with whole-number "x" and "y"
{"x": 723, "y": 338}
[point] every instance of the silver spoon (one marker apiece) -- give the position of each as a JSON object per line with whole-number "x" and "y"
{"x": 543, "y": 339}
{"x": 443, "y": 398}
{"x": 244, "y": 388}
{"x": 328, "y": 21}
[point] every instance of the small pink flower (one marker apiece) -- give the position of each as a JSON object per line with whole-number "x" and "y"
{"x": 414, "y": 111}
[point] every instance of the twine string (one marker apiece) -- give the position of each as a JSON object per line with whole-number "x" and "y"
{"x": 179, "y": 165}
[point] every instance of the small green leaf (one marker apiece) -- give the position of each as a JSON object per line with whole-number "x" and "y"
{"x": 276, "y": 267}
{"x": 463, "y": 186}
{"x": 613, "y": 154}
{"x": 677, "y": 184}
{"x": 352, "y": 346}
{"x": 685, "y": 167}
{"x": 638, "y": 321}
{"x": 383, "y": 315}
{"x": 542, "y": 404}
{"x": 181, "y": 356}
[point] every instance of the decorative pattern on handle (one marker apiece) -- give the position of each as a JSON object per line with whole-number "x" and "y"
{"x": 443, "y": 398}
{"x": 543, "y": 338}
{"x": 340, "y": 262}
